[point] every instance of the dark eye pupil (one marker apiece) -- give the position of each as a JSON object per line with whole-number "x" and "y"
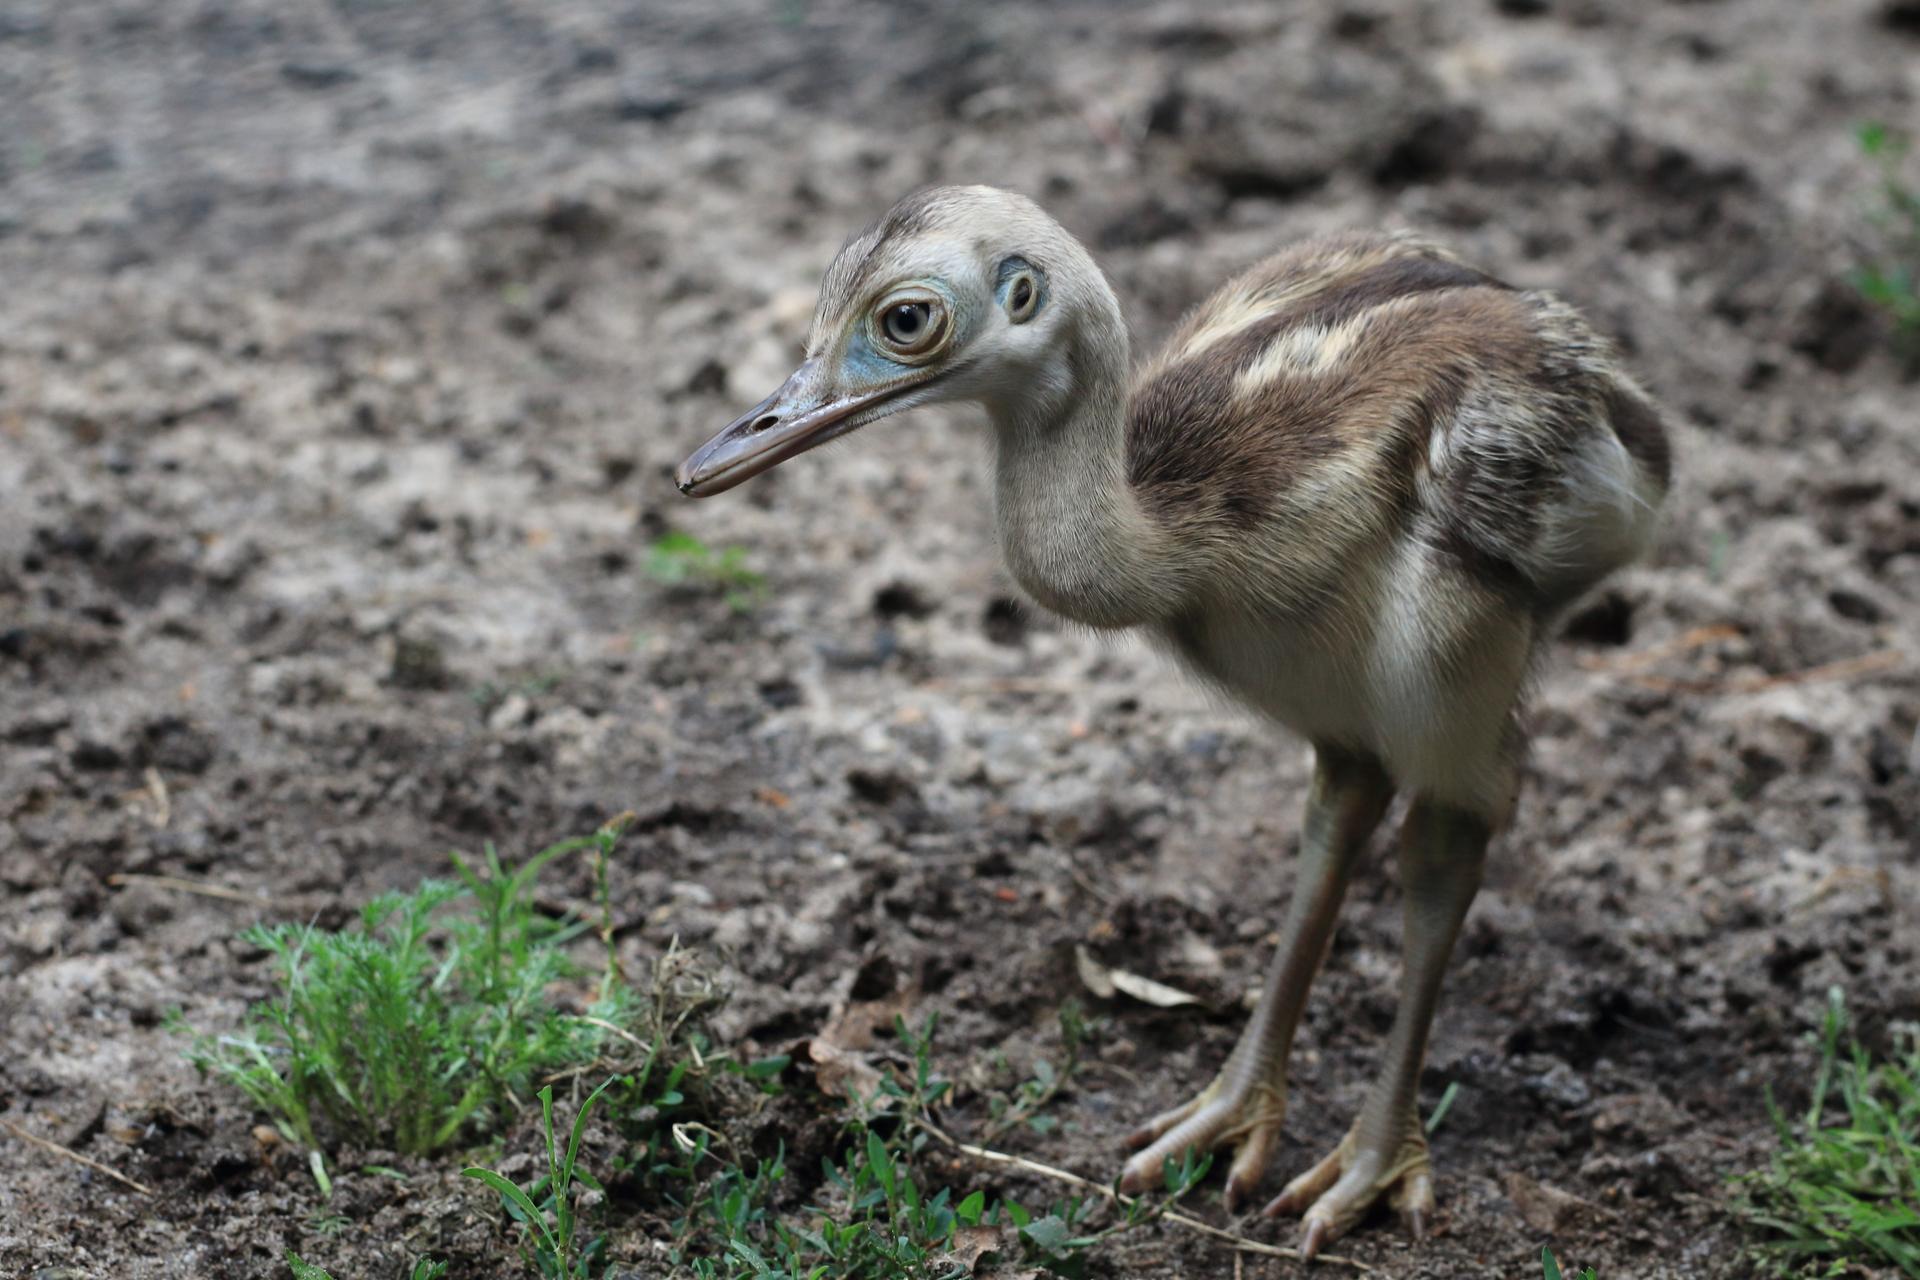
{"x": 1021, "y": 292}
{"x": 906, "y": 320}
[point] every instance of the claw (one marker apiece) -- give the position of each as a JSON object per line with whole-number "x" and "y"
{"x": 1133, "y": 1178}
{"x": 1231, "y": 1196}
{"x": 1315, "y": 1238}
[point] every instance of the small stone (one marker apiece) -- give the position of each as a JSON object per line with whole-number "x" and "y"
{"x": 1559, "y": 1085}
{"x": 516, "y": 1164}
{"x": 1546, "y": 1209}
{"x": 692, "y": 892}
{"x": 1635, "y": 1120}
{"x": 514, "y": 712}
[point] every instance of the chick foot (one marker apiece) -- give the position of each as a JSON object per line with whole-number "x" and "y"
{"x": 1336, "y": 1193}
{"x": 1245, "y": 1116}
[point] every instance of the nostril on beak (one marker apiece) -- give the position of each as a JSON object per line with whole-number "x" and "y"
{"x": 765, "y": 422}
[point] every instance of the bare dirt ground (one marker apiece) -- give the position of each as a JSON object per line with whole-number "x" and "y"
{"x": 346, "y": 348}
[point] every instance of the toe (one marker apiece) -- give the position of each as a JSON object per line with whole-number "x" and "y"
{"x": 1414, "y": 1199}
{"x": 1345, "y": 1202}
{"x": 1250, "y": 1162}
{"x": 1200, "y": 1130}
{"x": 1142, "y": 1171}
{"x": 1153, "y": 1130}
{"x": 1304, "y": 1190}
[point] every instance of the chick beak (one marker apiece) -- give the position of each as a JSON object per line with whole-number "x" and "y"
{"x": 802, "y": 414}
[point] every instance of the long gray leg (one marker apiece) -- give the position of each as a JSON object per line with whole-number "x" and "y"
{"x": 1246, "y": 1102}
{"x": 1385, "y": 1153}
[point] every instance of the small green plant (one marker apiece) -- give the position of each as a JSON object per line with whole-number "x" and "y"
{"x": 423, "y": 1269}
{"x": 1844, "y": 1190}
{"x": 1442, "y": 1107}
{"x": 680, "y": 558}
{"x": 1550, "y": 1266}
{"x": 1891, "y": 281}
{"x": 420, "y": 1025}
{"x": 545, "y": 1208}
{"x": 304, "y": 1270}
{"x": 876, "y": 1217}
{"x": 1025, "y": 1105}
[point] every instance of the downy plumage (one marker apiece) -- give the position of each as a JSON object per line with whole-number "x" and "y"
{"x": 1352, "y": 491}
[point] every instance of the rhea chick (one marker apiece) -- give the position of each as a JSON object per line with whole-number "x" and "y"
{"x": 1352, "y": 492}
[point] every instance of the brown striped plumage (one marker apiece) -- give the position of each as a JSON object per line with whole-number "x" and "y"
{"x": 1417, "y": 339}
{"x": 1351, "y": 492}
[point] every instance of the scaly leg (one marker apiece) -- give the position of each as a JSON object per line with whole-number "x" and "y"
{"x": 1385, "y": 1153}
{"x": 1247, "y": 1101}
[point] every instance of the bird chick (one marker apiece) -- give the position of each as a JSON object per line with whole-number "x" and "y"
{"x": 1353, "y": 492}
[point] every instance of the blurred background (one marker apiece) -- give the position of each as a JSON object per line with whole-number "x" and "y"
{"x": 346, "y": 347}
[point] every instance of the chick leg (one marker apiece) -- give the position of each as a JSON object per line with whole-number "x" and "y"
{"x": 1247, "y": 1101}
{"x": 1385, "y": 1153}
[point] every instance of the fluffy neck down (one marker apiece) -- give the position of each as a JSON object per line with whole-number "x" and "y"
{"x": 1073, "y": 532}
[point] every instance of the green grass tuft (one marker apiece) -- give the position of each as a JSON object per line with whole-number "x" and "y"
{"x": 1891, "y": 278}
{"x": 1843, "y": 1188}
{"x": 422, "y": 1025}
{"x": 678, "y": 559}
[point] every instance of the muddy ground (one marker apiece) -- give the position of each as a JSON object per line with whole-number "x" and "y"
{"x": 345, "y": 351}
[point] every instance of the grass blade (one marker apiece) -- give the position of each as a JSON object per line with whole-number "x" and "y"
{"x": 513, "y": 1195}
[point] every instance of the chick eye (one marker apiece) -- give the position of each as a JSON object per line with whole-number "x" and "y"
{"x": 911, "y": 326}
{"x": 906, "y": 323}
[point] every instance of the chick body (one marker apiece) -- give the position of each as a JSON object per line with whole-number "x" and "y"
{"x": 1351, "y": 493}
{"x": 1399, "y": 470}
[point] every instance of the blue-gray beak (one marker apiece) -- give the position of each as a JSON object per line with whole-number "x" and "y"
{"x": 802, "y": 414}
